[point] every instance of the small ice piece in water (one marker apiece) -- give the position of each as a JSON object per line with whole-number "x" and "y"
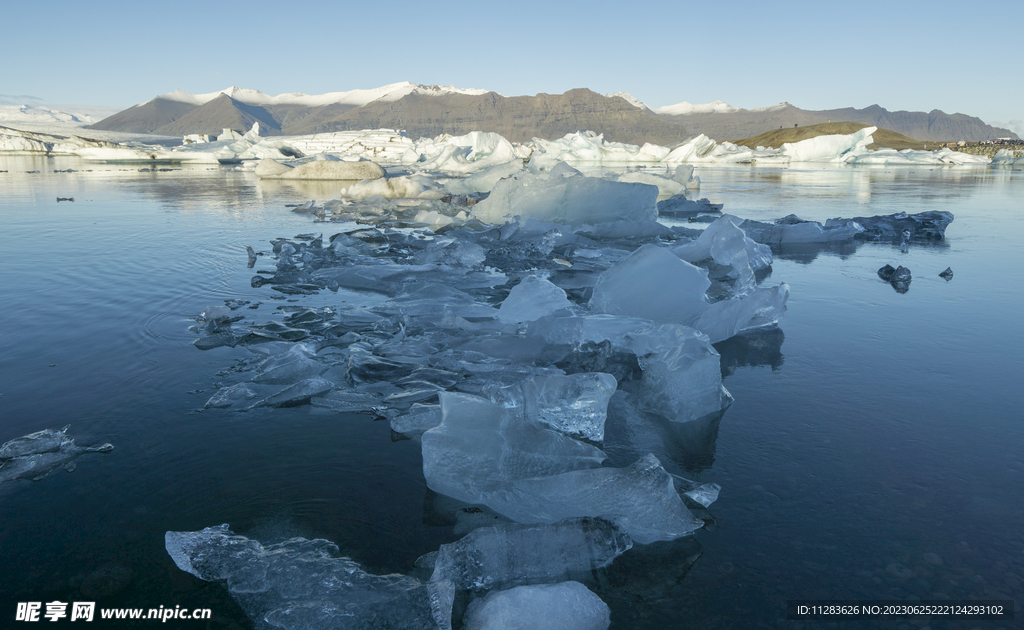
{"x": 576, "y": 404}
{"x": 564, "y": 606}
{"x": 511, "y": 554}
{"x": 45, "y": 441}
{"x": 947, "y": 274}
{"x": 905, "y": 243}
{"x": 899, "y": 274}
{"x": 533, "y": 298}
{"x": 299, "y": 584}
{"x": 36, "y": 455}
{"x": 252, "y": 256}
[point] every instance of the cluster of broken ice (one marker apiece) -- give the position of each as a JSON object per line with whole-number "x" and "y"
{"x": 537, "y": 346}
{"x": 36, "y": 455}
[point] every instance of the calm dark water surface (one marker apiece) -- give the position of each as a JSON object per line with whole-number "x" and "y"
{"x": 875, "y": 448}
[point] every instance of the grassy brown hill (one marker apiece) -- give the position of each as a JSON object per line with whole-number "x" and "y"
{"x": 884, "y": 138}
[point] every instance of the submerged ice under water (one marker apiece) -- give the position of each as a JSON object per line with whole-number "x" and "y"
{"x": 424, "y": 340}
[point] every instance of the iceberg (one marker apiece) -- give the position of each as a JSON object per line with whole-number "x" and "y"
{"x": 320, "y": 170}
{"x": 412, "y": 187}
{"x": 567, "y": 199}
{"x": 300, "y": 584}
{"x": 587, "y": 146}
{"x": 474, "y": 151}
{"x": 564, "y": 606}
{"x": 510, "y": 555}
{"x": 829, "y": 148}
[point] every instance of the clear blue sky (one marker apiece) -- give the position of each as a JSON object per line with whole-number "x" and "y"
{"x": 902, "y": 55}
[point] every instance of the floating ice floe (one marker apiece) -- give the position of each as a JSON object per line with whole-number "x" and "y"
{"x": 36, "y": 455}
{"x": 322, "y": 169}
{"x": 300, "y": 584}
{"x": 411, "y": 187}
{"x": 924, "y": 226}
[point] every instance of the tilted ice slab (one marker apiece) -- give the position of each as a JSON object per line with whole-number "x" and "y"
{"x": 510, "y": 555}
{"x": 728, "y": 245}
{"x": 640, "y": 499}
{"x": 483, "y": 454}
{"x": 300, "y": 584}
{"x": 653, "y": 283}
{"x": 569, "y": 199}
{"x": 574, "y": 404}
{"x": 36, "y": 455}
{"x": 564, "y": 606}
{"x": 480, "y": 447}
{"x": 682, "y": 377}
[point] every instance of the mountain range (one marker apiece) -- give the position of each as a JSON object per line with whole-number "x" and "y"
{"x": 427, "y": 111}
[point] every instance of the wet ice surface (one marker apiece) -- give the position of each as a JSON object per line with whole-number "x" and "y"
{"x": 924, "y": 463}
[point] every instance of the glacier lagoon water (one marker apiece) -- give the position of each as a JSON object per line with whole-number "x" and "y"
{"x": 874, "y": 449}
